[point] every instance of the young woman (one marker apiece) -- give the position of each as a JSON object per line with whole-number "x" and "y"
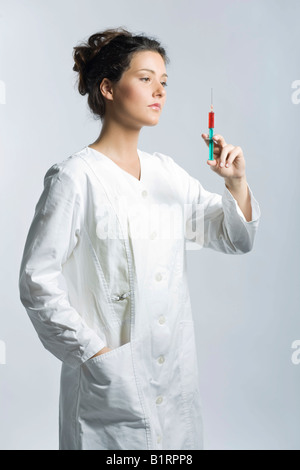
{"x": 103, "y": 275}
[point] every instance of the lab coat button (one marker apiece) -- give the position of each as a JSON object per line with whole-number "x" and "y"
{"x": 144, "y": 193}
{"x": 153, "y": 235}
{"x": 158, "y": 277}
{"x": 161, "y": 320}
{"x": 159, "y": 400}
{"x": 161, "y": 359}
{"x": 158, "y": 440}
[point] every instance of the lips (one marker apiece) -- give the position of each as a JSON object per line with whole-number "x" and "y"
{"x": 155, "y": 105}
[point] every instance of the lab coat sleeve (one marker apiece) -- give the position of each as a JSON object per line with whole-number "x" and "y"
{"x": 213, "y": 220}
{"x": 220, "y": 223}
{"x": 52, "y": 237}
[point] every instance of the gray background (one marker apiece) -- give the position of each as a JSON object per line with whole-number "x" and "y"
{"x": 246, "y": 307}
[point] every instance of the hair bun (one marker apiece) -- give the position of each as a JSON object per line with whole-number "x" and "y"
{"x": 85, "y": 53}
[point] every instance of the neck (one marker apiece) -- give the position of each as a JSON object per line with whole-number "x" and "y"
{"x": 118, "y": 142}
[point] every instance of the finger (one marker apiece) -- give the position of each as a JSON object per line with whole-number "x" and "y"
{"x": 217, "y": 151}
{"x": 224, "y": 154}
{"x": 206, "y": 139}
{"x": 220, "y": 140}
{"x": 232, "y": 156}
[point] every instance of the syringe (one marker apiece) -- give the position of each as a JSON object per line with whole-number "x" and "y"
{"x": 211, "y": 125}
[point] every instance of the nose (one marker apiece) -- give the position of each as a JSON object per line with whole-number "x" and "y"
{"x": 160, "y": 90}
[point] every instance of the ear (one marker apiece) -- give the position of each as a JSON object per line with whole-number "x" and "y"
{"x": 106, "y": 89}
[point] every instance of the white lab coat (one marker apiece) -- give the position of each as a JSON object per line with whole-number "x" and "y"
{"x": 127, "y": 290}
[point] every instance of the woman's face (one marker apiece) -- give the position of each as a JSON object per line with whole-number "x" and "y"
{"x": 138, "y": 89}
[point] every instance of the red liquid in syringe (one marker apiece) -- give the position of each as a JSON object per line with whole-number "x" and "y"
{"x": 211, "y": 119}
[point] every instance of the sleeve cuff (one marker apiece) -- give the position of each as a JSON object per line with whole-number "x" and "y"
{"x": 256, "y": 212}
{"x": 94, "y": 346}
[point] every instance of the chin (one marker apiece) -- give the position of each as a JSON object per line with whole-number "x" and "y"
{"x": 153, "y": 122}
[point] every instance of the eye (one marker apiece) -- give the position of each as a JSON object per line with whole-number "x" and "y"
{"x": 147, "y": 78}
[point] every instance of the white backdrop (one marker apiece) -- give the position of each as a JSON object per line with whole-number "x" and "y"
{"x": 246, "y": 308}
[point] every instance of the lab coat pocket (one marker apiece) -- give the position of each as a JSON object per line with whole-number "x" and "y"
{"x": 110, "y": 413}
{"x": 188, "y": 359}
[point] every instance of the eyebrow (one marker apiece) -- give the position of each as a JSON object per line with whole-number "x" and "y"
{"x": 152, "y": 71}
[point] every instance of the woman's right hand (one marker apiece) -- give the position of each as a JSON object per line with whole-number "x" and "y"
{"x": 102, "y": 351}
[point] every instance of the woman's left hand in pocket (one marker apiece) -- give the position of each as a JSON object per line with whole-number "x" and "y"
{"x": 102, "y": 351}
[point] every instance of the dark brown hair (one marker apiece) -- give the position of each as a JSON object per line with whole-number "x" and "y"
{"x": 108, "y": 54}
